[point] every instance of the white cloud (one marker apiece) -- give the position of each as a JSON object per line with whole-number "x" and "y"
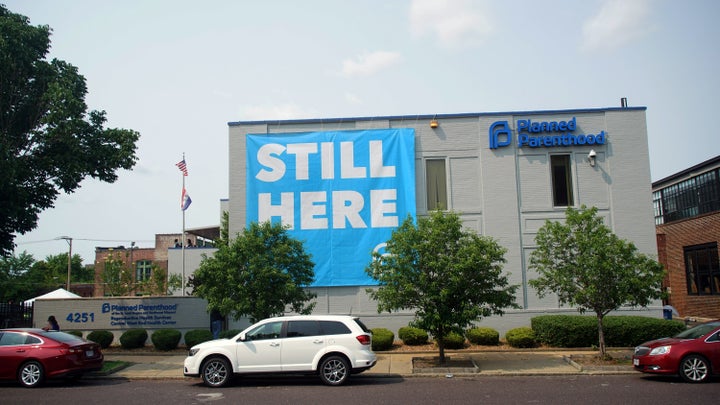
{"x": 275, "y": 112}
{"x": 617, "y": 23}
{"x": 455, "y": 23}
{"x": 369, "y": 63}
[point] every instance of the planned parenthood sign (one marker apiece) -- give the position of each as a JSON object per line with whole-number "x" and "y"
{"x": 340, "y": 192}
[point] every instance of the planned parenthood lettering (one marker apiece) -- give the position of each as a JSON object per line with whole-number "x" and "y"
{"x": 141, "y": 315}
{"x": 340, "y": 192}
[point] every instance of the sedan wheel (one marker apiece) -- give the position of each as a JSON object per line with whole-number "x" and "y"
{"x": 216, "y": 372}
{"x": 694, "y": 369}
{"x": 31, "y": 374}
{"x": 334, "y": 370}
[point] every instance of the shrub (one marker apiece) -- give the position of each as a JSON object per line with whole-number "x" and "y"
{"x": 565, "y": 330}
{"x": 521, "y": 337}
{"x": 77, "y": 333}
{"x": 166, "y": 339}
{"x": 382, "y": 339}
{"x": 582, "y": 331}
{"x": 195, "y": 336}
{"x": 102, "y": 337}
{"x": 133, "y": 338}
{"x": 483, "y": 336}
{"x": 227, "y": 334}
{"x": 454, "y": 340}
{"x": 412, "y": 336}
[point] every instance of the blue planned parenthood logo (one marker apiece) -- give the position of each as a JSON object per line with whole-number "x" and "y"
{"x": 535, "y": 134}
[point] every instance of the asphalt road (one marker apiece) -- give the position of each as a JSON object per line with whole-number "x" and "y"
{"x": 585, "y": 389}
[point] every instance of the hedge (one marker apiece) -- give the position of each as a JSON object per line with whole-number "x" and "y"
{"x": 412, "y": 336}
{"x": 521, "y": 337}
{"x": 582, "y": 331}
{"x": 166, "y": 339}
{"x": 196, "y": 336}
{"x": 483, "y": 336}
{"x": 133, "y": 338}
{"x": 382, "y": 339}
{"x": 454, "y": 341}
{"x": 102, "y": 337}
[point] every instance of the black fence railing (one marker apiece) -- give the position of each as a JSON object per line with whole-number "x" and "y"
{"x": 16, "y": 315}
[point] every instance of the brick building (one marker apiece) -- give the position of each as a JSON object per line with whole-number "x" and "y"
{"x": 687, "y": 218}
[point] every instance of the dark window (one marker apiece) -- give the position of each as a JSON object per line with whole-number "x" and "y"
{"x": 694, "y": 196}
{"x": 143, "y": 270}
{"x": 334, "y": 328}
{"x": 303, "y": 328}
{"x": 561, "y": 180}
{"x": 436, "y": 182}
{"x": 702, "y": 270}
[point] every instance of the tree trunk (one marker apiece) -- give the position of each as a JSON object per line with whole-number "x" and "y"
{"x": 441, "y": 347}
{"x": 601, "y": 336}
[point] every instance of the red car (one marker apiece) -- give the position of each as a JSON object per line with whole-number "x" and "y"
{"x": 32, "y": 355}
{"x": 694, "y": 354}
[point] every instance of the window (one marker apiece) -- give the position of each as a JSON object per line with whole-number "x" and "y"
{"x": 143, "y": 270}
{"x": 689, "y": 198}
{"x": 436, "y": 184}
{"x": 334, "y": 328}
{"x": 266, "y": 331}
{"x": 303, "y": 328}
{"x": 702, "y": 270}
{"x": 561, "y": 181}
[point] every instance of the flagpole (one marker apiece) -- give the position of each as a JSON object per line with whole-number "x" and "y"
{"x": 182, "y": 241}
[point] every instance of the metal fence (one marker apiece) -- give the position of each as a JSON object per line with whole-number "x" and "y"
{"x": 16, "y": 315}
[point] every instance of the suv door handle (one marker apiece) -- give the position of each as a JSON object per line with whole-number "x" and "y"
{"x": 274, "y": 344}
{"x": 318, "y": 341}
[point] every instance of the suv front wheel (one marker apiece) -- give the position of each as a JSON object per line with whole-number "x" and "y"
{"x": 216, "y": 372}
{"x": 334, "y": 370}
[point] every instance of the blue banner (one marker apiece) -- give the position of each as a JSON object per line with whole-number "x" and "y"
{"x": 341, "y": 192}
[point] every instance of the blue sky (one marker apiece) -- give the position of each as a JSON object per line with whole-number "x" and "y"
{"x": 179, "y": 71}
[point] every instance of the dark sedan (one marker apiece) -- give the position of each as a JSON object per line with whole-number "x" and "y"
{"x": 694, "y": 354}
{"x": 32, "y": 355}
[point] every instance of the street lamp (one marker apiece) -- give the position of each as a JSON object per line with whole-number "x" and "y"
{"x": 69, "y": 241}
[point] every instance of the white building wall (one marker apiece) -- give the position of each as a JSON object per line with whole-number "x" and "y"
{"x": 504, "y": 193}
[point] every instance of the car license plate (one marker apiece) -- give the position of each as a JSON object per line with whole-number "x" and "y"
{"x": 89, "y": 353}
{"x": 636, "y": 362}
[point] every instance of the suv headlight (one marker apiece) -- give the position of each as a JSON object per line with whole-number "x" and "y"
{"x": 193, "y": 351}
{"x": 660, "y": 350}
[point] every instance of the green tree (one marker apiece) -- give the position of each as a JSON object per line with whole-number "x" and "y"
{"x": 450, "y": 276}
{"x": 49, "y": 142}
{"x": 13, "y": 273}
{"x": 590, "y": 268}
{"x": 117, "y": 277}
{"x": 263, "y": 272}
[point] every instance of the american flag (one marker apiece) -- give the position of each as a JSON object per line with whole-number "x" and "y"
{"x": 182, "y": 166}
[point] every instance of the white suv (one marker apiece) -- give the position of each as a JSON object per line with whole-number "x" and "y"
{"x": 332, "y": 346}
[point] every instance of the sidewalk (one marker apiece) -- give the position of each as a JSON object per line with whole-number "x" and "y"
{"x": 487, "y": 363}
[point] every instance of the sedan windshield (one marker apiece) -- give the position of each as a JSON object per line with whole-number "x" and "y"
{"x": 698, "y": 331}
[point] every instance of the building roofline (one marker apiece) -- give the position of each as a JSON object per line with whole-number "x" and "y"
{"x": 431, "y": 116}
{"x": 684, "y": 173}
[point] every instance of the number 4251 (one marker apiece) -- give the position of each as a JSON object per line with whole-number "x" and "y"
{"x": 78, "y": 317}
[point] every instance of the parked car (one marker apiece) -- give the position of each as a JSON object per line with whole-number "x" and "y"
{"x": 694, "y": 354}
{"x": 330, "y": 346}
{"x": 31, "y": 356}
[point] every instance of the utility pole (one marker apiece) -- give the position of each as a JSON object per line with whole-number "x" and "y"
{"x": 69, "y": 241}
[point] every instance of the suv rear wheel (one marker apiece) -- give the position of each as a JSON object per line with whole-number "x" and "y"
{"x": 334, "y": 370}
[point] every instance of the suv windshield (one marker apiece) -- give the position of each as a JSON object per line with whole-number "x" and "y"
{"x": 362, "y": 325}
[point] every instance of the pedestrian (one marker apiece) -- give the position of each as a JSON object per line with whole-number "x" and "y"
{"x": 177, "y": 244}
{"x": 52, "y": 324}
